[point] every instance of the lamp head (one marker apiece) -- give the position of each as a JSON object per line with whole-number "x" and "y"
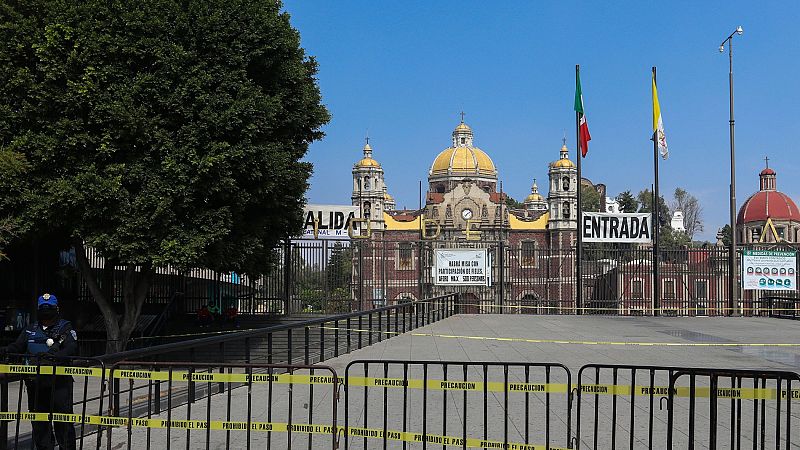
{"x": 739, "y": 30}
{"x": 721, "y": 48}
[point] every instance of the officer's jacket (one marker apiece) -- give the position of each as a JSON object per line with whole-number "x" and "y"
{"x": 33, "y": 340}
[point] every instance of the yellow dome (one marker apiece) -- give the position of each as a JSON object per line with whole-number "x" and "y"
{"x": 534, "y": 198}
{"x": 564, "y": 163}
{"x": 463, "y": 161}
{"x": 367, "y": 162}
{"x": 388, "y": 197}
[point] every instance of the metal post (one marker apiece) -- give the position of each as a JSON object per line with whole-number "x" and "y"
{"x": 4, "y": 406}
{"x": 733, "y": 259}
{"x": 579, "y": 249}
{"x": 733, "y": 285}
{"x": 656, "y": 304}
{"x": 287, "y": 277}
{"x": 502, "y": 273}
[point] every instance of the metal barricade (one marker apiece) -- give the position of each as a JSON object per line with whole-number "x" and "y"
{"x": 733, "y": 409}
{"x": 64, "y": 395}
{"x": 621, "y": 406}
{"x": 654, "y": 407}
{"x": 193, "y": 405}
{"x": 427, "y": 404}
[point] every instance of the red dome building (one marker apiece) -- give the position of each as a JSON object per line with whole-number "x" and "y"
{"x": 768, "y": 205}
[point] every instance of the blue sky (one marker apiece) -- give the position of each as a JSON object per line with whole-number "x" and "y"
{"x": 404, "y": 70}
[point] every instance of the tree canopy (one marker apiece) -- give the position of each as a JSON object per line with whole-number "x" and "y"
{"x": 590, "y": 199}
{"x": 157, "y": 132}
{"x": 627, "y": 202}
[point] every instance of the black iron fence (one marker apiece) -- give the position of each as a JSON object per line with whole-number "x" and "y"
{"x": 330, "y": 277}
{"x": 398, "y": 404}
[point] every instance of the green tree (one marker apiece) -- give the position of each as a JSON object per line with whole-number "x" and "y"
{"x": 673, "y": 239}
{"x": 13, "y": 166}
{"x": 627, "y": 202}
{"x": 726, "y": 235}
{"x": 159, "y": 133}
{"x": 339, "y": 270}
{"x": 645, "y": 199}
{"x": 590, "y": 199}
{"x": 511, "y": 203}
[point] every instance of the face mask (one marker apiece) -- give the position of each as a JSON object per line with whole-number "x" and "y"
{"x": 48, "y": 314}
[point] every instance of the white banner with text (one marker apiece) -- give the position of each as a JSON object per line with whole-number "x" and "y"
{"x": 462, "y": 267}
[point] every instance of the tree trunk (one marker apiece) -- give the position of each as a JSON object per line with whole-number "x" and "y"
{"x": 134, "y": 292}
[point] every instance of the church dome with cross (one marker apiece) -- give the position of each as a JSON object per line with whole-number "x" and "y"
{"x": 768, "y": 215}
{"x": 462, "y": 159}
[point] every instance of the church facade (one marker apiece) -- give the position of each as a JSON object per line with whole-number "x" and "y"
{"x": 464, "y": 208}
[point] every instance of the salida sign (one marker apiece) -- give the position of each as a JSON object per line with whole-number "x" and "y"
{"x": 330, "y": 221}
{"x": 617, "y": 227}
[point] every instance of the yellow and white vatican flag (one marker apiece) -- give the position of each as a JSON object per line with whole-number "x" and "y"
{"x": 658, "y": 124}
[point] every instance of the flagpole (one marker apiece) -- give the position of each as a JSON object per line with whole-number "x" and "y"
{"x": 656, "y": 225}
{"x": 579, "y": 252}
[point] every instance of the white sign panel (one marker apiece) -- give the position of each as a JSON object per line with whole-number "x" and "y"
{"x": 461, "y": 267}
{"x": 617, "y": 227}
{"x": 769, "y": 270}
{"x": 329, "y": 221}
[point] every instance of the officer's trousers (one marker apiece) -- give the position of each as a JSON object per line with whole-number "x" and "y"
{"x": 51, "y": 396}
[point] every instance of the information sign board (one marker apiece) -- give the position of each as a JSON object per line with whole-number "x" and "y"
{"x": 769, "y": 270}
{"x": 461, "y": 267}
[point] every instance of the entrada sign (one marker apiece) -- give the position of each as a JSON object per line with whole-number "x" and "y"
{"x": 630, "y": 228}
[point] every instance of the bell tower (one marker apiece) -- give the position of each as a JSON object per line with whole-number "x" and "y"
{"x": 563, "y": 194}
{"x": 369, "y": 188}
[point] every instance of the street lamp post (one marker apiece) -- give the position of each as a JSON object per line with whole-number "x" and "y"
{"x": 733, "y": 260}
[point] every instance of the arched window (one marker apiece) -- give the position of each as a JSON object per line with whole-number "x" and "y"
{"x": 366, "y": 183}
{"x": 565, "y": 209}
{"x": 366, "y": 211}
{"x": 565, "y": 183}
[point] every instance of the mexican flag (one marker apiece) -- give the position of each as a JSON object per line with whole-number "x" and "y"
{"x": 583, "y": 127}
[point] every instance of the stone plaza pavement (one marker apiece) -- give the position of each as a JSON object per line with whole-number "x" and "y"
{"x": 461, "y": 407}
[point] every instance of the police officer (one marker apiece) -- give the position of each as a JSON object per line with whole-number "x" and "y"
{"x": 49, "y": 338}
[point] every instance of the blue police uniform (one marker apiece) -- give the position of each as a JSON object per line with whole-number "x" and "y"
{"x": 53, "y": 344}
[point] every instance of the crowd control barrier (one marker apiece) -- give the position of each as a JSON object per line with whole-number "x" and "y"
{"x": 401, "y": 404}
{"x": 436, "y": 404}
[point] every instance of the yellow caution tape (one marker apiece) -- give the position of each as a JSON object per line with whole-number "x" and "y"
{"x": 274, "y": 427}
{"x": 685, "y": 392}
{"x": 398, "y": 383}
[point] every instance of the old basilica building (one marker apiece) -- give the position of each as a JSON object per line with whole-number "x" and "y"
{"x": 465, "y": 208}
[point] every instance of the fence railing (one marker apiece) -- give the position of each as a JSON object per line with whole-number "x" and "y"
{"x": 624, "y": 406}
{"x": 456, "y": 403}
{"x": 399, "y": 404}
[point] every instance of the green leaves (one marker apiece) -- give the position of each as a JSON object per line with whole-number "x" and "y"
{"x": 156, "y": 131}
